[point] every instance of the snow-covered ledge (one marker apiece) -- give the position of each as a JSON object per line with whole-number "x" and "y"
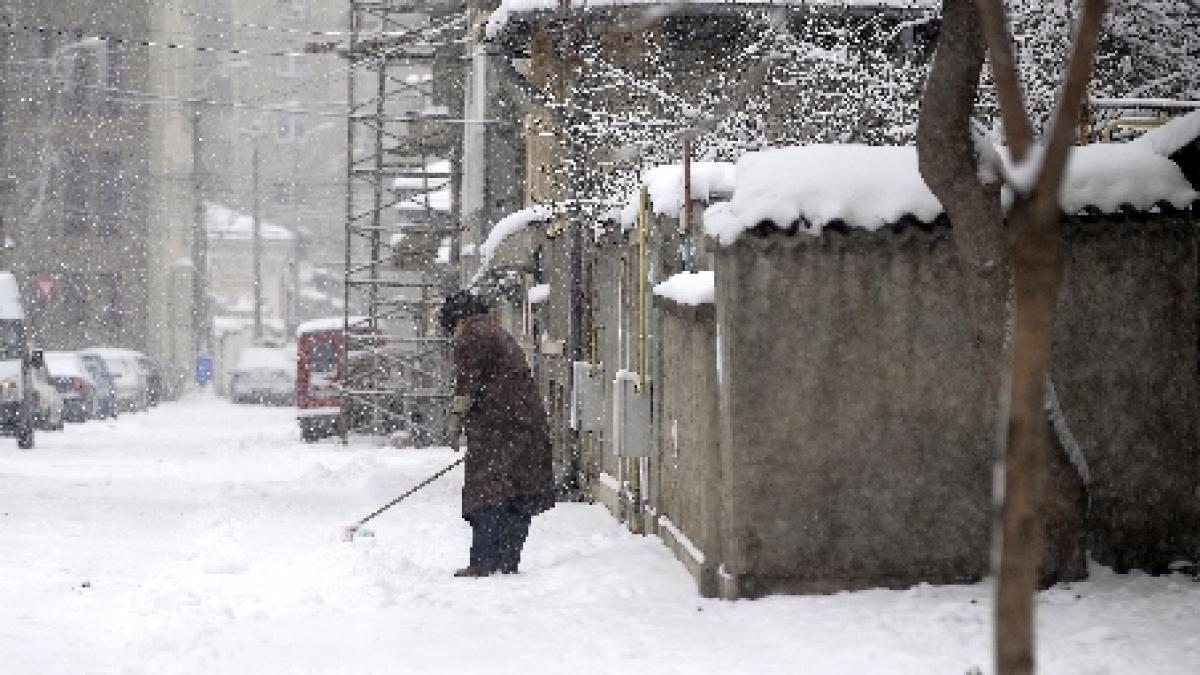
{"x": 869, "y": 187}
{"x": 664, "y": 185}
{"x": 505, "y": 228}
{"x": 688, "y": 288}
{"x": 539, "y": 294}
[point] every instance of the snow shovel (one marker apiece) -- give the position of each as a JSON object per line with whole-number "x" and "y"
{"x": 348, "y": 533}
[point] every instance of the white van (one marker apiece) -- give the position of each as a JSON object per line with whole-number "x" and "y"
{"x": 16, "y": 366}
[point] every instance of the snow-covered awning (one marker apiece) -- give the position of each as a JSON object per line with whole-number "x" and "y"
{"x": 869, "y": 187}
{"x": 664, "y": 186}
{"x": 490, "y": 252}
{"x": 689, "y": 288}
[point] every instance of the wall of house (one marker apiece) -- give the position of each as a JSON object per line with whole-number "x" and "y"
{"x": 1126, "y": 368}
{"x": 852, "y": 450}
{"x": 687, "y": 427}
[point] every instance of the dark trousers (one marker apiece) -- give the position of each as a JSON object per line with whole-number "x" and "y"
{"x": 498, "y": 534}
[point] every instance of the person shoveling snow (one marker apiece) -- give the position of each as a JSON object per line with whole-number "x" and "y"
{"x": 508, "y": 476}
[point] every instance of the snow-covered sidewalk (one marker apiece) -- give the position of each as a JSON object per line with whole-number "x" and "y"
{"x": 203, "y": 537}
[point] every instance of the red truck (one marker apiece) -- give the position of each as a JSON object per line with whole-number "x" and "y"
{"x": 320, "y": 350}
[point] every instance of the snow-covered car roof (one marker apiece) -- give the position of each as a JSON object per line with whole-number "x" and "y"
{"x": 66, "y": 364}
{"x": 325, "y": 324}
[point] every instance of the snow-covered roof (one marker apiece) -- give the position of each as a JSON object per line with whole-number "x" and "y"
{"x": 265, "y": 358}
{"x": 664, "y": 185}
{"x": 10, "y": 298}
{"x": 500, "y": 18}
{"x": 689, "y": 288}
{"x": 869, "y": 187}
{"x": 437, "y": 200}
{"x": 1172, "y": 136}
{"x": 511, "y": 224}
{"x": 225, "y": 223}
{"x": 326, "y": 324}
{"x": 505, "y": 228}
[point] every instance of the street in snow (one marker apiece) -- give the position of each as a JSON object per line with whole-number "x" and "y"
{"x": 203, "y": 537}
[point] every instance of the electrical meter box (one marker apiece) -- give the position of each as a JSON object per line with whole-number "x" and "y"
{"x": 587, "y": 397}
{"x": 633, "y": 435}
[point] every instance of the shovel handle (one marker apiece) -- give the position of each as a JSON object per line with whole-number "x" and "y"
{"x": 404, "y": 496}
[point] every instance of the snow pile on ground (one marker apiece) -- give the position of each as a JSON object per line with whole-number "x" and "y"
{"x": 539, "y": 294}
{"x": 664, "y": 186}
{"x": 203, "y": 537}
{"x": 688, "y": 288}
{"x": 500, "y": 18}
{"x": 869, "y": 187}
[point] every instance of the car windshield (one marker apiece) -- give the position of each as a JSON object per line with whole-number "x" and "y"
{"x": 322, "y": 357}
{"x": 11, "y": 342}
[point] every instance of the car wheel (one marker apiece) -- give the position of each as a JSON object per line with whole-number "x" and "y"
{"x": 25, "y": 438}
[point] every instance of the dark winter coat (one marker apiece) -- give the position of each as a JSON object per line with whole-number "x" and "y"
{"x": 508, "y": 442}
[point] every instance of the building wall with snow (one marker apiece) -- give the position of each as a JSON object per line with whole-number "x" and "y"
{"x": 687, "y": 426}
{"x": 858, "y": 454}
{"x": 1126, "y": 370}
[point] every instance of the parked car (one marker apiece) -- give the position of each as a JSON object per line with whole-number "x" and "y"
{"x": 70, "y": 377}
{"x": 153, "y": 377}
{"x": 264, "y": 375}
{"x": 17, "y": 363}
{"x": 48, "y": 410}
{"x": 128, "y": 380}
{"x": 106, "y": 393}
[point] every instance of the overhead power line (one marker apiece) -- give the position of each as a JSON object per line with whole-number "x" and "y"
{"x": 203, "y": 49}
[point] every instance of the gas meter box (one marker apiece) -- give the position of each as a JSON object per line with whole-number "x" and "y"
{"x": 587, "y": 397}
{"x": 633, "y": 434}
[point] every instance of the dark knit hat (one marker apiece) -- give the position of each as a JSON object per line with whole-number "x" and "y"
{"x": 458, "y": 306}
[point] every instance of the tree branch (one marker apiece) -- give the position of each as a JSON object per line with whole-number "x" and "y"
{"x": 1018, "y": 131}
{"x": 1063, "y": 134}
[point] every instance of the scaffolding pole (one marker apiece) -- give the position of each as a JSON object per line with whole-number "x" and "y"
{"x": 404, "y": 139}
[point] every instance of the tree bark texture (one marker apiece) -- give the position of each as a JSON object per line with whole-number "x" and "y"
{"x": 949, "y": 164}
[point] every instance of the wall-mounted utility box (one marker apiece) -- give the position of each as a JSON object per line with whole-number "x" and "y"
{"x": 587, "y": 397}
{"x": 632, "y": 431}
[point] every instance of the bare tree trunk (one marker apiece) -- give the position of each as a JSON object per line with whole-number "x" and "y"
{"x": 950, "y": 164}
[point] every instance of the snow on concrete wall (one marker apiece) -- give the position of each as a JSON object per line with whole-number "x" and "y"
{"x": 868, "y": 187}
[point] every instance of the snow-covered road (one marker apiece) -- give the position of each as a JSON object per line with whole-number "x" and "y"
{"x": 203, "y": 537}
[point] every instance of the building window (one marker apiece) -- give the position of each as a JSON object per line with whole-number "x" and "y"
{"x": 74, "y": 298}
{"x": 108, "y": 305}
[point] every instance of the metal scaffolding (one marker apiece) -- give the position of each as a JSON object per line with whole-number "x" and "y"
{"x": 402, "y": 226}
